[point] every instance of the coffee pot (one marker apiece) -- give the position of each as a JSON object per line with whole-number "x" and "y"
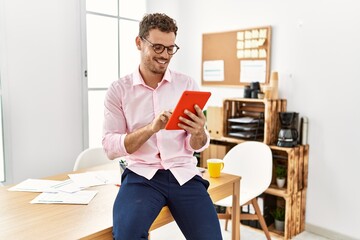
{"x": 288, "y": 134}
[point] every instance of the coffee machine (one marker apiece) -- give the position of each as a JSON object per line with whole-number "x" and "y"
{"x": 288, "y": 134}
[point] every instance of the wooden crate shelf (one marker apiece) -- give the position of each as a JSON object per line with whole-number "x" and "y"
{"x": 293, "y": 195}
{"x": 296, "y": 161}
{"x": 294, "y": 215}
{"x": 267, "y": 109}
{"x": 294, "y": 192}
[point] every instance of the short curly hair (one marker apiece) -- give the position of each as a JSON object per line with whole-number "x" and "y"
{"x": 157, "y": 21}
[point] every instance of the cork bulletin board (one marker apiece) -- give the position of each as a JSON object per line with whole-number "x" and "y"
{"x": 236, "y": 58}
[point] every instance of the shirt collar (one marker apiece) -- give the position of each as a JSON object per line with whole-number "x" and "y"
{"x": 138, "y": 80}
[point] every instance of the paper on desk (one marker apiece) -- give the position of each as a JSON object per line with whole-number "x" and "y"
{"x": 96, "y": 178}
{"x": 112, "y": 176}
{"x": 42, "y": 185}
{"x": 65, "y": 186}
{"x": 34, "y": 185}
{"x": 81, "y": 197}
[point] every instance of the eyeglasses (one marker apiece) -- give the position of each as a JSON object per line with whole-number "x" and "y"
{"x": 159, "y": 48}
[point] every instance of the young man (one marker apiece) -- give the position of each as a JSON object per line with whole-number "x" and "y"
{"x": 161, "y": 166}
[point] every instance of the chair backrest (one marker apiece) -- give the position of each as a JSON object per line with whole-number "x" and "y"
{"x": 90, "y": 157}
{"x": 253, "y": 162}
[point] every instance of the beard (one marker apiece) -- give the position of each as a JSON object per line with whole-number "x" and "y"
{"x": 154, "y": 66}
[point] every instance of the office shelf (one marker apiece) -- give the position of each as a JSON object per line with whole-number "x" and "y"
{"x": 293, "y": 195}
{"x": 263, "y": 110}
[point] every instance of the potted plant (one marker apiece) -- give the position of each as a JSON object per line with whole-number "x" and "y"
{"x": 279, "y": 216}
{"x": 280, "y": 172}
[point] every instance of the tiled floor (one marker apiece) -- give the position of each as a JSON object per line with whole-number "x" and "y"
{"x": 171, "y": 231}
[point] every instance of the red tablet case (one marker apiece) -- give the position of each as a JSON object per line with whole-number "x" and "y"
{"x": 187, "y": 101}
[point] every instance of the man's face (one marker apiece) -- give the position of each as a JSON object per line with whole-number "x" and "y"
{"x": 152, "y": 61}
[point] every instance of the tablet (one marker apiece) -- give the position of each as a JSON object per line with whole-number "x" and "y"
{"x": 187, "y": 101}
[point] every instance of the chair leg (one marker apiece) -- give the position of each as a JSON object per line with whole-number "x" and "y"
{"x": 261, "y": 218}
{"x": 228, "y": 211}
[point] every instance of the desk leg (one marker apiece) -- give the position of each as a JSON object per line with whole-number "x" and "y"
{"x": 235, "y": 215}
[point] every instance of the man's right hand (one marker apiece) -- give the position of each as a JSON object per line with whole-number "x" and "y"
{"x": 134, "y": 140}
{"x": 160, "y": 121}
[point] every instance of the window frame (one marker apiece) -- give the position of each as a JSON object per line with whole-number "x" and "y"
{"x": 84, "y": 63}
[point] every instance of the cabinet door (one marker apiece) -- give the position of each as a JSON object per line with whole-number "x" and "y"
{"x": 215, "y": 121}
{"x": 213, "y": 151}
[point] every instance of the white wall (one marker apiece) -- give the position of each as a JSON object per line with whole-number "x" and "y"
{"x": 315, "y": 48}
{"x": 41, "y": 75}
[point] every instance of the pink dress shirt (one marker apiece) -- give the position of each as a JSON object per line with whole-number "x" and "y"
{"x": 130, "y": 105}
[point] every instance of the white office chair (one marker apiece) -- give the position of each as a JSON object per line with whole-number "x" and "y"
{"x": 91, "y": 157}
{"x": 253, "y": 162}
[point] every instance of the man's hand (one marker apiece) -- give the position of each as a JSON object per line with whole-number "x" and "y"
{"x": 160, "y": 121}
{"x": 195, "y": 126}
{"x": 134, "y": 140}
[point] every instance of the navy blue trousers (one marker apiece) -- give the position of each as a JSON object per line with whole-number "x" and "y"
{"x": 140, "y": 200}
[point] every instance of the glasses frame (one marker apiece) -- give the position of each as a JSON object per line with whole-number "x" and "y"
{"x": 154, "y": 45}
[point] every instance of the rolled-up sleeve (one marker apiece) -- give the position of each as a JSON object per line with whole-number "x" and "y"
{"x": 114, "y": 125}
{"x": 188, "y": 146}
